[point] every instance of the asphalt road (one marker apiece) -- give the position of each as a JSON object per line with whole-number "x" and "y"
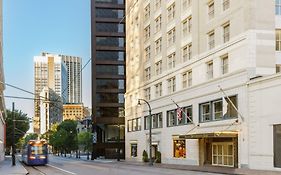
{"x": 68, "y": 166}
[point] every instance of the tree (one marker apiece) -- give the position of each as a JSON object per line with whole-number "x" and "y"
{"x": 21, "y": 126}
{"x": 32, "y": 136}
{"x": 85, "y": 141}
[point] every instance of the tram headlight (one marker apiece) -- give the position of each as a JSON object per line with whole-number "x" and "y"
{"x": 32, "y": 157}
{"x": 42, "y": 157}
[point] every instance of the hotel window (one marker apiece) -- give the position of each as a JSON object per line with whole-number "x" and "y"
{"x": 218, "y": 109}
{"x": 211, "y": 10}
{"x": 211, "y": 39}
{"x": 189, "y": 24}
{"x": 156, "y": 119}
{"x": 277, "y": 145}
{"x": 278, "y": 68}
{"x": 172, "y": 60}
{"x": 224, "y": 64}
{"x": 158, "y": 90}
{"x": 278, "y": 7}
{"x": 184, "y": 27}
{"x": 278, "y": 39}
{"x": 147, "y": 53}
{"x": 184, "y": 80}
{"x": 187, "y": 115}
{"x": 130, "y": 125}
{"x": 226, "y": 34}
{"x": 134, "y": 124}
{"x": 210, "y": 70}
{"x": 147, "y": 73}
{"x": 158, "y": 46}
{"x": 171, "y": 118}
{"x": 186, "y": 4}
{"x": 158, "y": 66}
{"x": 189, "y": 78}
{"x": 147, "y": 93}
{"x": 134, "y": 150}
{"x": 147, "y": 32}
{"x": 172, "y": 85}
{"x": 157, "y": 4}
{"x": 147, "y": 12}
{"x": 171, "y": 35}
{"x": 158, "y": 23}
{"x": 179, "y": 149}
{"x": 187, "y": 52}
{"x": 225, "y": 4}
{"x": 171, "y": 12}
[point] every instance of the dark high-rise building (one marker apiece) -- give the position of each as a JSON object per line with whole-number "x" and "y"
{"x": 108, "y": 77}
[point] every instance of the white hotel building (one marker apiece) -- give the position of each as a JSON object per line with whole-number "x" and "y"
{"x": 183, "y": 50}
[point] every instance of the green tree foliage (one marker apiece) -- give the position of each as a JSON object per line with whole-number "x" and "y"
{"x": 32, "y": 136}
{"x": 144, "y": 156}
{"x": 85, "y": 141}
{"x": 64, "y": 138}
{"x": 21, "y": 126}
{"x": 158, "y": 157}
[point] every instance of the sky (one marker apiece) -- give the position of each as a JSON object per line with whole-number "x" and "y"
{"x": 31, "y": 27}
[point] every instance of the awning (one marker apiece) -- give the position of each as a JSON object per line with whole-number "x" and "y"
{"x": 228, "y": 134}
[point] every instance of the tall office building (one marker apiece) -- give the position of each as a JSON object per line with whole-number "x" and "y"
{"x": 2, "y": 87}
{"x": 51, "y": 110}
{"x": 49, "y": 71}
{"x": 181, "y": 52}
{"x": 108, "y": 77}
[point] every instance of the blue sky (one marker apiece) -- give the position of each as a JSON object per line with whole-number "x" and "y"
{"x": 34, "y": 26}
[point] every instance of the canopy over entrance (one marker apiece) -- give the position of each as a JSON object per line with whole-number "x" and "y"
{"x": 229, "y": 134}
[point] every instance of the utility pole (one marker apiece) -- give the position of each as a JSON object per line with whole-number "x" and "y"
{"x": 13, "y": 139}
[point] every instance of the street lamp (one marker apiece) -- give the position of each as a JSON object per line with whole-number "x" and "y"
{"x": 150, "y": 126}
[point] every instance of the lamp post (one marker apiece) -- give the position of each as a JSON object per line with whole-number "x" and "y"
{"x": 13, "y": 139}
{"x": 118, "y": 149}
{"x": 150, "y": 126}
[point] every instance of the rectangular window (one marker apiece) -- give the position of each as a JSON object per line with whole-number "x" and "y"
{"x": 172, "y": 85}
{"x": 158, "y": 23}
{"x": 187, "y": 115}
{"x": 224, "y": 64}
{"x": 278, "y": 40}
{"x": 147, "y": 12}
{"x": 171, "y": 118}
{"x": 189, "y": 24}
{"x": 171, "y": 36}
{"x": 158, "y": 90}
{"x": 147, "y": 93}
{"x": 147, "y": 32}
{"x": 184, "y": 27}
{"x": 211, "y": 39}
{"x": 278, "y": 7}
{"x": 172, "y": 60}
{"x": 277, "y": 145}
{"x": 158, "y": 46}
{"x": 147, "y": 53}
{"x": 130, "y": 125}
{"x": 157, "y": 4}
{"x": 147, "y": 73}
{"x": 179, "y": 149}
{"x": 225, "y": 4}
{"x": 171, "y": 12}
{"x": 158, "y": 66}
{"x": 134, "y": 150}
{"x": 156, "y": 120}
{"x": 184, "y": 80}
{"x": 278, "y": 68}
{"x": 134, "y": 124}
{"x": 210, "y": 70}
{"x": 218, "y": 109}
{"x": 226, "y": 33}
{"x": 189, "y": 78}
{"x": 211, "y": 10}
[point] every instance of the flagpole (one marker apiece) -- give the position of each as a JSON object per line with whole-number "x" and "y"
{"x": 183, "y": 112}
{"x": 242, "y": 118}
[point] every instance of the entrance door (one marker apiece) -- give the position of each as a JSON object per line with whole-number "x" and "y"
{"x": 154, "y": 148}
{"x": 223, "y": 154}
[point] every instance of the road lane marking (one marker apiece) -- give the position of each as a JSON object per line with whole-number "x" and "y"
{"x": 61, "y": 169}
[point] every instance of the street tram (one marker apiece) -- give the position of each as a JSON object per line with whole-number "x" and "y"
{"x": 35, "y": 152}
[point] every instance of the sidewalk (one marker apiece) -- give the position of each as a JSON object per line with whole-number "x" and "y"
{"x": 6, "y": 167}
{"x": 209, "y": 169}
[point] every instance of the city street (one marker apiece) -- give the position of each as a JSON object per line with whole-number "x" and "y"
{"x": 67, "y": 166}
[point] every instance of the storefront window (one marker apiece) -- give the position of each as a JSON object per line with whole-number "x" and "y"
{"x": 134, "y": 150}
{"x": 179, "y": 149}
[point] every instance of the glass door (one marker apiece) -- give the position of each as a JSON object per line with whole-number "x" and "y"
{"x": 223, "y": 154}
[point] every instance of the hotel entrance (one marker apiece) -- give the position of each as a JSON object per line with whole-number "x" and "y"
{"x": 217, "y": 149}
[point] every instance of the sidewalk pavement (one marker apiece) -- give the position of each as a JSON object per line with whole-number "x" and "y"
{"x": 209, "y": 169}
{"x": 6, "y": 167}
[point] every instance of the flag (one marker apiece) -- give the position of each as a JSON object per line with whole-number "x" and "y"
{"x": 224, "y": 106}
{"x": 179, "y": 113}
